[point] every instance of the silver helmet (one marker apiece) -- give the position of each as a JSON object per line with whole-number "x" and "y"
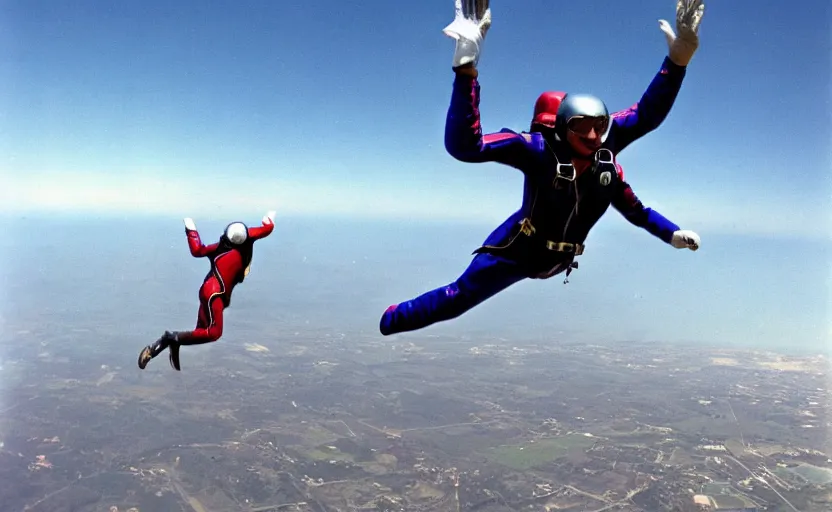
{"x": 581, "y": 106}
{"x": 236, "y": 233}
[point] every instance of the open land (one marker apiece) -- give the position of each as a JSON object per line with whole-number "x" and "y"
{"x": 314, "y": 422}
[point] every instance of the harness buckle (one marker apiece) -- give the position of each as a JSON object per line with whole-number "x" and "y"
{"x": 604, "y": 156}
{"x": 565, "y": 172}
{"x": 577, "y": 249}
{"x": 526, "y": 227}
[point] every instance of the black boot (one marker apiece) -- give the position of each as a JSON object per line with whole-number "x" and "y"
{"x": 173, "y": 355}
{"x": 151, "y": 351}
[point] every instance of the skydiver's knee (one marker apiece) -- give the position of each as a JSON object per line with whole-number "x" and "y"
{"x": 214, "y": 333}
{"x": 459, "y": 299}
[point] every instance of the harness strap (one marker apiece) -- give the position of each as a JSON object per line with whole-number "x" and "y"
{"x": 528, "y": 229}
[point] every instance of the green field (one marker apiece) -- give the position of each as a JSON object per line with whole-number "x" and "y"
{"x": 805, "y": 474}
{"x": 532, "y": 454}
{"x": 326, "y": 453}
{"x": 716, "y": 489}
{"x": 729, "y": 501}
{"x": 316, "y": 435}
{"x": 814, "y": 474}
{"x": 725, "y": 496}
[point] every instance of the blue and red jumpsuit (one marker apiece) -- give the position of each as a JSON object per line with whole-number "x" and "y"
{"x": 229, "y": 267}
{"x": 542, "y": 238}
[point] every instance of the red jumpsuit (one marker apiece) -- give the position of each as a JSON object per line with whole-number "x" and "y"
{"x": 229, "y": 267}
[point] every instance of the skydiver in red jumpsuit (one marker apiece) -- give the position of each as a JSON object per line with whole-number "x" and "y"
{"x": 230, "y": 263}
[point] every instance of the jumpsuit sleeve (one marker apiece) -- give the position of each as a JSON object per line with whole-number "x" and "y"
{"x": 651, "y": 110}
{"x": 198, "y": 250}
{"x": 465, "y": 141}
{"x": 629, "y": 205}
{"x": 259, "y": 232}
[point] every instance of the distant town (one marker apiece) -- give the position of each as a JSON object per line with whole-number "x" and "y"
{"x": 430, "y": 425}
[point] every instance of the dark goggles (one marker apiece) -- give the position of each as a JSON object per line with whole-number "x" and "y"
{"x": 583, "y": 125}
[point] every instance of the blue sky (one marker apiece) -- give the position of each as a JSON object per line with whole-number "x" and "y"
{"x": 210, "y": 109}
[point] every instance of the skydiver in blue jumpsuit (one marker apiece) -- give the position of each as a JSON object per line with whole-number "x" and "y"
{"x": 570, "y": 173}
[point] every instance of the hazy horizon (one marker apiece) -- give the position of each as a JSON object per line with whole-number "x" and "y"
{"x": 333, "y": 277}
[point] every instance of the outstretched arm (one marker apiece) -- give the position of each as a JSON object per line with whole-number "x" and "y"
{"x": 626, "y": 202}
{"x": 464, "y": 139}
{"x": 651, "y": 110}
{"x": 654, "y": 106}
{"x": 263, "y": 230}
{"x": 198, "y": 250}
{"x": 631, "y": 207}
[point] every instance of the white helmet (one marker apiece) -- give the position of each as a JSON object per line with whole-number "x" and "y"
{"x": 236, "y": 233}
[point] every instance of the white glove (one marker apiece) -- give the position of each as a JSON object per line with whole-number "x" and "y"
{"x": 471, "y": 22}
{"x": 269, "y": 218}
{"x": 688, "y": 17}
{"x": 189, "y": 224}
{"x": 684, "y": 239}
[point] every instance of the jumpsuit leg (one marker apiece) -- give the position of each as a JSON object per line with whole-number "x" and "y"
{"x": 208, "y": 327}
{"x": 209, "y": 322}
{"x": 486, "y": 276}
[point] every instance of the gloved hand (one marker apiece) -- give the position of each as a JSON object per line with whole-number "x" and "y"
{"x": 685, "y": 239}
{"x": 269, "y": 218}
{"x": 471, "y": 22}
{"x": 189, "y": 224}
{"x": 688, "y": 17}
